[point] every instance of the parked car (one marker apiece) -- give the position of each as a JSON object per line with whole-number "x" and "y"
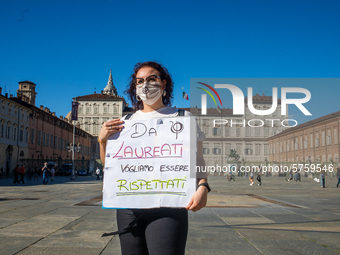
{"x": 82, "y": 172}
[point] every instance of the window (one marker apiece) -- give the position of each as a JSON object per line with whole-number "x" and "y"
{"x": 317, "y": 140}
{"x": 329, "y": 138}
{"x": 311, "y": 141}
{"x": 257, "y": 132}
{"x": 87, "y": 109}
{"x": 217, "y": 149}
{"x": 43, "y": 138}
{"x": 258, "y": 149}
{"x": 205, "y": 122}
{"x": 14, "y": 133}
{"x": 1, "y": 130}
{"x": 238, "y": 147}
{"x": 323, "y": 138}
{"x": 62, "y": 144}
{"x": 284, "y": 146}
{"x": 288, "y": 146}
{"x": 21, "y": 135}
{"x": 305, "y": 145}
{"x": 8, "y": 133}
{"x": 265, "y": 131}
{"x": 55, "y": 142}
{"x": 51, "y": 143}
{"x": 39, "y": 137}
{"x": 227, "y": 131}
{"x": 217, "y": 131}
{"x": 301, "y": 144}
{"x": 32, "y": 136}
{"x": 266, "y": 149}
{"x": 47, "y": 140}
{"x": 335, "y": 136}
{"x": 238, "y": 132}
{"x": 249, "y": 151}
{"x": 247, "y": 131}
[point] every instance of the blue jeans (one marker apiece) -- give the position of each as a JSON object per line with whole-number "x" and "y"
{"x": 45, "y": 178}
{"x": 338, "y": 181}
{"x": 322, "y": 180}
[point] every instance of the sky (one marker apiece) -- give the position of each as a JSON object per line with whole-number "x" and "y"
{"x": 69, "y": 47}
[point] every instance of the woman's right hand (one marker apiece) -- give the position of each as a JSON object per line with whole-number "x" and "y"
{"x": 110, "y": 127}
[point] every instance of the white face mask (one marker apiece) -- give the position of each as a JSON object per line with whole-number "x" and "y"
{"x": 149, "y": 93}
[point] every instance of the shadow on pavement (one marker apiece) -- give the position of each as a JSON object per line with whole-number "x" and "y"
{"x": 57, "y": 180}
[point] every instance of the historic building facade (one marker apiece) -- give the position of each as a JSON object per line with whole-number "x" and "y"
{"x": 47, "y": 135}
{"x": 14, "y": 132}
{"x": 314, "y": 141}
{"x": 246, "y": 134}
{"x": 95, "y": 109}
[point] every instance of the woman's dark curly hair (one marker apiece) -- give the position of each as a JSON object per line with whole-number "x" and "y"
{"x": 164, "y": 74}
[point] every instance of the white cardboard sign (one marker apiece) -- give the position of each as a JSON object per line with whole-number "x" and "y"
{"x": 150, "y": 164}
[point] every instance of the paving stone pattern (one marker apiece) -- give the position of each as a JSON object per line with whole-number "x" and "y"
{"x": 279, "y": 217}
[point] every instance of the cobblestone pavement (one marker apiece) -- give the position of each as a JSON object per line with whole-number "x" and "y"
{"x": 278, "y": 217}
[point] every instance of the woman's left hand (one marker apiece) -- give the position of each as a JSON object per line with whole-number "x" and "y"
{"x": 198, "y": 200}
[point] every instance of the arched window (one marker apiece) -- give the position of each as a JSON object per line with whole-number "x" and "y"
{"x": 22, "y": 154}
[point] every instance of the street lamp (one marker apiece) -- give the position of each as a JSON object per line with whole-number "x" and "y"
{"x": 73, "y": 148}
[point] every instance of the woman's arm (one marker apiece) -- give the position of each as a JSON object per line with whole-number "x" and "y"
{"x": 109, "y": 127}
{"x": 200, "y": 197}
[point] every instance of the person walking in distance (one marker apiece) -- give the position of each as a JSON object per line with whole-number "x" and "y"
{"x": 22, "y": 174}
{"x": 97, "y": 173}
{"x": 259, "y": 175}
{"x": 35, "y": 173}
{"x": 338, "y": 175}
{"x": 52, "y": 171}
{"x": 45, "y": 171}
{"x": 16, "y": 174}
{"x": 251, "y": 178}
{"x": 322, "y": 175}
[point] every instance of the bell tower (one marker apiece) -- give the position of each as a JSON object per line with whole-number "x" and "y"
{"x": 26, "y": 92}
{"x": 110, "y": 89}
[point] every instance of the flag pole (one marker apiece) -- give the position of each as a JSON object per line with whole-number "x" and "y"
{"x": 182, "y": 97}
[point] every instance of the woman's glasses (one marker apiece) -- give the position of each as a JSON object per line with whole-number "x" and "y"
{"x": 151, "y": 78}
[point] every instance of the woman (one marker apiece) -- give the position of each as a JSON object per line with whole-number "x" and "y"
{"x": 150, "y": 91}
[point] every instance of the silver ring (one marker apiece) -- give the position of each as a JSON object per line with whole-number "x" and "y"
{"x": 110, "y": 127}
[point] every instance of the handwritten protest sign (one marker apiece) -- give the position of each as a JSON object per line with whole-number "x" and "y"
{"x": 151, "y": 163}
